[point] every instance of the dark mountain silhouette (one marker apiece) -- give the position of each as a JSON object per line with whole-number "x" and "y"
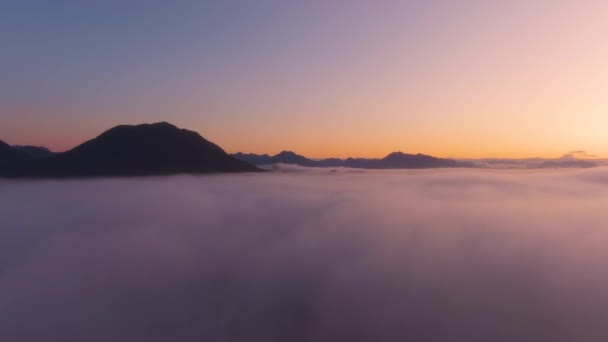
{"x": 285, "y": 157}
{"x": 148, "y": 149}
{"x": 361, "y": 163}
{"x": 33, "y": 152}
{"x": 395, "y": 160}
{"x": 161, "y": 148}
{"x": 12, "y": 157}
{"x": 5, "y": 149}
{"x": 330, "y": 162}
{"x": 253, "y": 159}
{"x": 8, "y": 156}
{"x": 289, "y": 157}
{"x": 400, "y": 160}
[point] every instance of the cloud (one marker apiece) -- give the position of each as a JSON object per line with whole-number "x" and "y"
{"x": 417, "y": 255}
{"x": 578, "y": 154}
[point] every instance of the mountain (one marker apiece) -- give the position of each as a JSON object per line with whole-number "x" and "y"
{"x": 5, "y": 149}
{"x": 33, "y": 152}
{"x": 253, "y": 159}
{"x": 289, "y": 157}
{"x": 148, "y": 149}
{"x": 8, "y": 155}
{"x": 395, "y": 160}
{"x": 12, "y": 156}
{"x": 400, "y": 160}
{"x": 330, "y": 162}
{"x": 12, "y": 159}
{"x": 285, "y": 157}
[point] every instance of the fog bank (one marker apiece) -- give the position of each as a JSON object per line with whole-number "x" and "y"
{"x": 308, "y": 255}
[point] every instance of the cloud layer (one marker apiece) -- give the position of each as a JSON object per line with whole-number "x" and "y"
{"x": 429, "y": 255}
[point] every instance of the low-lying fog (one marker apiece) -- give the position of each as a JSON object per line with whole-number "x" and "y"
{"x": 310, "y": 255}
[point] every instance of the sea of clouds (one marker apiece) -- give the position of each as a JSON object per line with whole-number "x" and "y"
{"x": 308, "y": 255}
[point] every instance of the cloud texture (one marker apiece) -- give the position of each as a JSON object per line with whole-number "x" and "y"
{"x": 428, "y": 255}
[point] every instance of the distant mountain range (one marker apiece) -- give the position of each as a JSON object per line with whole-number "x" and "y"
{"x": 395, "y": 160}
{"x": 162, "y": 149}
{"x": 148, "y": 149}
{"x": 287, "y": 157}
{"x": 400, "y": 160}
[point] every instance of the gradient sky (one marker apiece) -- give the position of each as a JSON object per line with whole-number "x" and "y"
{"x": 323, "y": 78}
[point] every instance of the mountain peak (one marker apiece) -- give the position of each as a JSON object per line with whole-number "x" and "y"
{"x": 134, "y": 150}
{"x": 395, "y": 154}
{"x": 286, "y": 154}
{"x": 146, "y": 127}
{"x": 162, "y": 123}
{"x": 398, "y": 155}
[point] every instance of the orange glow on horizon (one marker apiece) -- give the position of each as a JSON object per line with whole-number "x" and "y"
{"x": 513, "y": 79}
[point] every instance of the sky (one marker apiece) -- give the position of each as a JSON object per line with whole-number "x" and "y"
{"x": 324, "y": 78}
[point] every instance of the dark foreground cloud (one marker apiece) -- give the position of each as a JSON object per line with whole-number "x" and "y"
{"x": 432, "y": 255}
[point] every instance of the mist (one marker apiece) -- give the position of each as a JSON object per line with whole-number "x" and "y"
{"x": 308, "y": 255}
